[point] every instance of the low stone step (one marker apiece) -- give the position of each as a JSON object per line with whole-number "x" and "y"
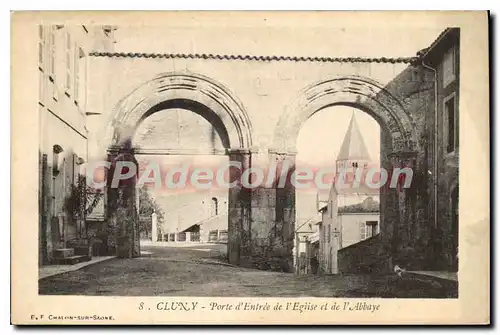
{"x": 72, "y": 260}
{"x": 64, "y": 252}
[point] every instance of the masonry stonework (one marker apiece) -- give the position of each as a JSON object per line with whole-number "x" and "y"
{"x": 257, "y": 116}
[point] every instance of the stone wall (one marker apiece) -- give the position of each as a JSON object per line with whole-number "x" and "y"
{"x": 412, "y": 248}
{"x": 261, "y": 222}
{"x": 367, "y": 256}
{"x": 446, "y": 234}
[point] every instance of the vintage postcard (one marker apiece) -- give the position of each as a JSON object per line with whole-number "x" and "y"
{"x": 250, "y": 168}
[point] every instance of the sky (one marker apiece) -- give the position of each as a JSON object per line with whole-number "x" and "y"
{"x": 276, "y": 40}
{"x": 319, "y": 144}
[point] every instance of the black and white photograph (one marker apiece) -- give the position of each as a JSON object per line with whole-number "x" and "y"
{"x": 206, "y": 160}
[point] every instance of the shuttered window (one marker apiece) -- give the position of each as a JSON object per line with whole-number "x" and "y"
{"x": 449, "y": 71}
{"x": 68, "y": 62}
{"x": 362, "y": 230}
{"x": 52, "y": 60}
{"x": 41, "y": 46}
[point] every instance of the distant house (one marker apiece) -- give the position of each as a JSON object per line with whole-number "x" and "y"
{"x": 204, "y": 217}
{"x": 306, "y": 243}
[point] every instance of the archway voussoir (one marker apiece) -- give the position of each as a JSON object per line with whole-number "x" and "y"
{"x": 355, "y": 91}
{"x": 182, "y": 86}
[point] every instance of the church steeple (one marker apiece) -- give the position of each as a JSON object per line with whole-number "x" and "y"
{"x": 353, "y": 152}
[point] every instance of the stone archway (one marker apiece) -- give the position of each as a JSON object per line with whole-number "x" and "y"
{"x": 196, "y": 93}
{"x": 177, "y": 89}
{"x": 355, "y": 91}
{"x": 399, "y": 138}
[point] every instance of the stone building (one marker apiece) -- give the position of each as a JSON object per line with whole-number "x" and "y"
{"x": 421, "y": 233}
{"x": 351, "y": 213}
{"x": 252, "y": 118}
{"x": 62, "y": 64}
{"x": 443, "y": 57}
{"x": 204, "y": 215}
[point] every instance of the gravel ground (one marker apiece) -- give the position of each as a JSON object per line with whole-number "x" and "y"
{"x": 200, "y": 270}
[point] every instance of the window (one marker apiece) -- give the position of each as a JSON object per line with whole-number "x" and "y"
{"x": 56, "y": 150}
{"x": 449, "y": 67}
{"x": 450, "y": 123}
{"x": 329, "y": 233}
{"x": 78, "y": 56}
{"x": 41, "y": 46}
{"x": 77, "y": 165}
{"x": 362, "y": 230}
{"x": 41, "y": 56}
{"x": 52, "y": 64}
{"x": 215, "y": 206}
{"x": 415, "y": 76}
{"x": 68, "y": 62}
{"x": 371, "y": 228}
{"x": 41, "y": 88}
{"x": 52, "y": 61}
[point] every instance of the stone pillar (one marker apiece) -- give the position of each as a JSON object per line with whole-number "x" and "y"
{"x": 262, "y": 212}
{"x": 122, "y": 216}
{"x": 154, "y": 227}
{"x": 403, "y": 202}
{"x": 62, "y": 229}
{"x": 239, "y": 210}
{"x": 284, "y": 227}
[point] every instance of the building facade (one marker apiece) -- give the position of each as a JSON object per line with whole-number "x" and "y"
{"x": 62, "y": 64}
{"x": 423, "y": 236}
{"x": 443, "y": 57}
{"x": 92, "y": 100}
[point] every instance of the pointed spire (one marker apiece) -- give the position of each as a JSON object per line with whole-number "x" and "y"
{"x": 353, "y": 146}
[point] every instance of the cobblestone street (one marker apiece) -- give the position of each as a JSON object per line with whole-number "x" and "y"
{"x": 201, "y": 270}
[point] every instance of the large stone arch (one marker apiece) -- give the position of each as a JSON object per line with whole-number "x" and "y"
{"x": 396, "y": 124}
{"x": 356, "y": 91}
{"x": 195, "y": 92}
{"x": 184, "y": 90}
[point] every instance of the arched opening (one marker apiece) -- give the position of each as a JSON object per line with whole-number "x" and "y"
{"x": 185, "y": 140}
{"x": 175, "y": 125}
{"x": 338, "y": 140}
{"x": 396, "y": 151}
{"x": 354, "y": 91}
{"x": 215, "y": 207}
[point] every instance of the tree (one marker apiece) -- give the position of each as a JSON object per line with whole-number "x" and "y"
{"x": 148, "y": 205}
{"x": 81, "y": 201}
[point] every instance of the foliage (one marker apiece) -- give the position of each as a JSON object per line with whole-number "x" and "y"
{"x": 148, "y": 205}
{"x": 81, "y": 199}
{"x": 367, "y": 206}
